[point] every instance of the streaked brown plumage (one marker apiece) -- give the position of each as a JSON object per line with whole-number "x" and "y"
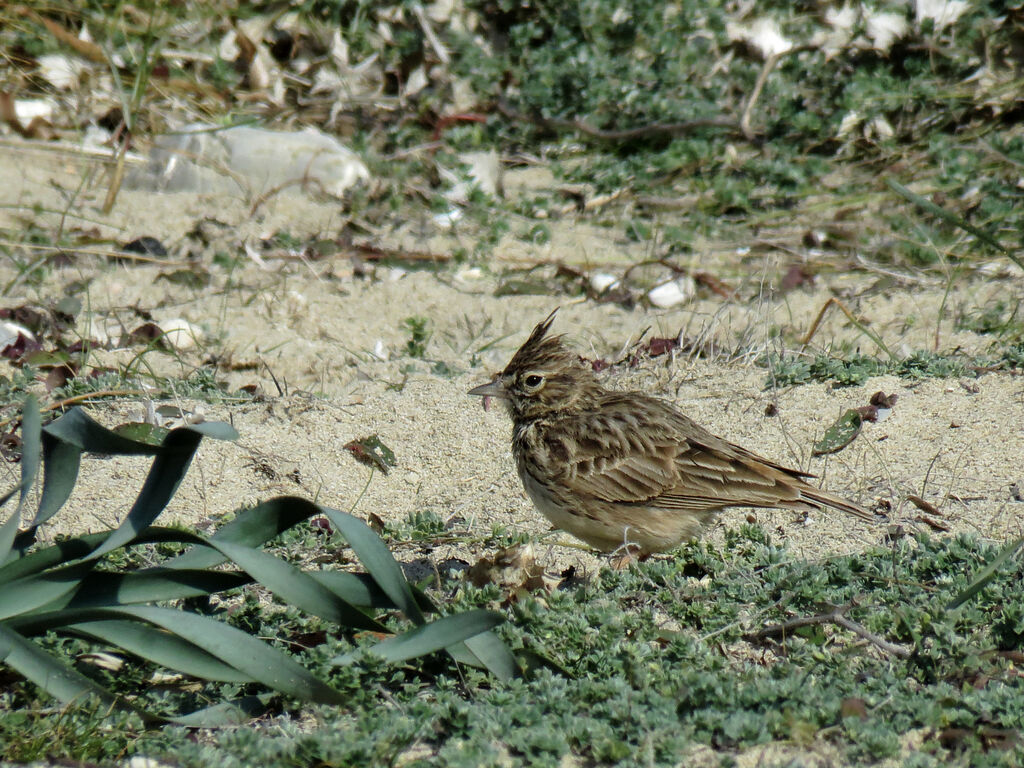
{"x": 615, "y": 468}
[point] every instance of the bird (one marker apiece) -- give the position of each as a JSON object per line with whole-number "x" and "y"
{"x": 625, "y": 471}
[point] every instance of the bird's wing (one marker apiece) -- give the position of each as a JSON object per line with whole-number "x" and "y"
{"x": 668, "y": 461}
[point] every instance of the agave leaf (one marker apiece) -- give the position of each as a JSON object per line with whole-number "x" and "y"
{"x": 74, "y": 549}
{"x": 360, "y": 589}
{"x": 251, "y": 527}
{"x": 152, "y": 585}
{"x": 61, "y": 461}
{"x": 22, "y": 596}
{"x": 296, "y": 587}
{"x": 429, "y": 638}
{"x": 161, "y": 648}
{"x": 76, "y": 428}
{"x": 227, "y": 713}
{"x": 493, "y": 655}
{"x": 165, "y": 475}
{"x": 57, "y": 679}
{"x": 378, "y": 561}
{"x": 30, "y": 450}
{"x": 249, "y": 655}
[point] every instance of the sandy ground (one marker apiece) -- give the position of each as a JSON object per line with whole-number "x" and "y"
{"x": 333, "y": 341}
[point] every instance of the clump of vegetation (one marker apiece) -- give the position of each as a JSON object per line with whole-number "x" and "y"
{"x": 857, "y": 369}
{"x": 151, "y": 594}
{"x": 419, "y": 336}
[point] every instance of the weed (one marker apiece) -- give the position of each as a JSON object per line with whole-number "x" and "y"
{"x": 419, "y": 336}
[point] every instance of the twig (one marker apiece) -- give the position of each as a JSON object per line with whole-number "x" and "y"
{"x": 835, "y": 616}
{"x": 78, "y": 399}
{"x": 769, "y": 65}
{"x": 860, "y": 326}
{"x": 951, "y": 218}
{"x": 642, "y": 132}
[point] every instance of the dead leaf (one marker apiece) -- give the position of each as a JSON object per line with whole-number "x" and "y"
{"x": 933, "y": 523}
{"x": 843, "y": 432}
{"x": 923, "y": 505}
{"x": 373, "y": 453}
{"x": 796, "y": 276}
{"x": 84, "y": 48}
{"x": 714, "y": 284}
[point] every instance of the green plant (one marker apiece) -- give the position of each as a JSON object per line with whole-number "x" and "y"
{"x": 419, "y": 335}
{"x": 83, "y": 587}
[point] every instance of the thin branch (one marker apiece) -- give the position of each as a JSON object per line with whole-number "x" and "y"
{"x": 836, "y": 616}
{"x": 642, "y": 132}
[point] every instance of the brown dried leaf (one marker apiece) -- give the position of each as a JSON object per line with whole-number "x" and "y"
{"x": 84, "y": 48}
{"x": 933, "y": 523}
{"x": 714, "y": 284}
{"x": 924, "y": 506}
{"x": 796, "y": 276}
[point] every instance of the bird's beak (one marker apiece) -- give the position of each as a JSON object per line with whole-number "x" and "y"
{"x": 491, "y": 389}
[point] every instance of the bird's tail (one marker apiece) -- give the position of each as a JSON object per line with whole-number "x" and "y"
{"x": 820, "y": 498}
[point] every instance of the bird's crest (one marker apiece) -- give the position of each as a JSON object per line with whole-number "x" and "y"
{"x": 542, "y": 350}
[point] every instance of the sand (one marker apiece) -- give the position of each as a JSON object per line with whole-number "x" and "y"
{"x": 325, "y": 344}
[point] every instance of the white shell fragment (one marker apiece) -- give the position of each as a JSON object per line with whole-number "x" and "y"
{"x": 9, "y": 333}
{"x": 602, "y": 281}
{"x": 673, "y": 293}
{"x": 181, "y": 334}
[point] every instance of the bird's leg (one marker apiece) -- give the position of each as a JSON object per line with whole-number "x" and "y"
{"x": 629, "y": 552}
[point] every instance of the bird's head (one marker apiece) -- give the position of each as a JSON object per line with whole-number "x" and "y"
{"x": 542, "y": 377}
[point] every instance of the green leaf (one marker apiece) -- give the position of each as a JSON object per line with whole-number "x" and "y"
{"x": 165, "y": 475}
{"x": 226, "y": 713}
{"x": 160, "y": 647}
{"x": 429, "y": 638}
{"x": 30, "y": 454}
{"x": 360, "y": 589}
{"x": 296, "y": 587}
{"x": 61, "y": 462}
{"x": 251, "y": 527}
{"x": 78, "y": 429}
{"x": 378, "y": 561}
{"x": 951, "y": 218}
{"x": 494, "y": 655}
{"x": 843, "y": 432}
{"x": 986, "y": 574}
{"x": 142, "y": 432}
{"x": 249, "y": 655}
{"x": 60, "y": 681}
{"x": 150, "y": 586}
{"x": 22, "y": 596}
{"x": 74, "y": 549}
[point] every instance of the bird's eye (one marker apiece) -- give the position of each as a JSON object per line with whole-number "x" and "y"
{"x": 533, "y": 381}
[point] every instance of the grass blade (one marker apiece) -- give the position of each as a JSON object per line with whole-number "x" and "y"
{"x": 985, "y": 575}
{"x": 951, "y": 218}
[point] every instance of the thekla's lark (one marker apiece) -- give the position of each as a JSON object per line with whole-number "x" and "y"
{"x": 623, "y": 468}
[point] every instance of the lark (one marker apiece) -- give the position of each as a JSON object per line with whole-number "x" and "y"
{"x": 624, "y": 471}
